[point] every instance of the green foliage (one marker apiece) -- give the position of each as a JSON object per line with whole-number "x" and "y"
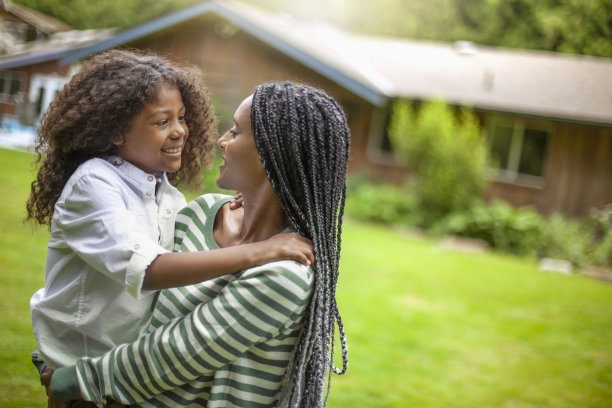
{"x": 600, "y": 223}
{"x": 520, "y": 231}
{"x": 565, "y": 239}
{"x": 572, "y": 26}
{"x": 380, "y": 202}
{"x": 446, "y": 150}
{"x": 84, "y": 14}
{"x": 505, "y": 228}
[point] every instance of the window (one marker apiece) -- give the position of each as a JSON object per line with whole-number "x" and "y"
{"x": 518, "y": 152}
{"x": 10, "y": 84}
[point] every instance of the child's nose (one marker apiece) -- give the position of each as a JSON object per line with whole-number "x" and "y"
{"x": 179, "y": 130}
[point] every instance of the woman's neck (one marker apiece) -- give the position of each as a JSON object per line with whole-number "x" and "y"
{"x": 260, "y": 217}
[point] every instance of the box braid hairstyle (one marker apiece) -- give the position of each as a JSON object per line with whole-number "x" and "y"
{"x": 92, "y": 113}
{"x": 302, "y": 139}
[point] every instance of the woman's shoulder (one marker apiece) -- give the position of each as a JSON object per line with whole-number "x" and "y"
{"x": 194, "y": 222}
{"x": 285, "y": 275}
{"x": 208, "y": 201}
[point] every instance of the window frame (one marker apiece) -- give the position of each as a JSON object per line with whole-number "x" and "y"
{"x": 378, "y": 131}
{"x": 8, "y": 77}
{"x": 511, "y": 174}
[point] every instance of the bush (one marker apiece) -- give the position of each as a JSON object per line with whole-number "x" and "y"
{"x": 447, "y": 151}
{"x": 523, "y": 231}
{"x": 503, "y": 227}
{"x": 380, "y": 203}
{"x": 565, "y": 239}
{"x": 600, "y": 222}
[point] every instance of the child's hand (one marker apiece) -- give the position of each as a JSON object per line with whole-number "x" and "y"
{"x": 236, "y": 202}
{"x": 290, "y": 246}
{"x": 45, "y": 381}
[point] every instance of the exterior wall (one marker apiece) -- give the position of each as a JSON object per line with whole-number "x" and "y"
{"x": 235, "y": 63}
{"x": 23, "y": 104}
{"x": 578, "y": 173}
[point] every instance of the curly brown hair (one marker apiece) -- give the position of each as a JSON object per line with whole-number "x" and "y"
{"x": 92, "y": 113}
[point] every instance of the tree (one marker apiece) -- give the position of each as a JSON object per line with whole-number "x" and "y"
{"x": 85, "y": 14}
{"x": 571, "y": 26}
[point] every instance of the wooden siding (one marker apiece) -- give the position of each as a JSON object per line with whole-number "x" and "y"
{"x": 578, "y": 173}
{"x": 578, "y": 169}
{"x": 235, "y": 63}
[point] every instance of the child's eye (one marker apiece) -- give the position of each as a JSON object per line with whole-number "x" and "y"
{"x": 162, "y": 122}
{"x": 182, "y": 118}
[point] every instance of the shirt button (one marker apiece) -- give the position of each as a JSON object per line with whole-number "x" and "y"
{"x": 148, "y": 194}
{"x": 136, "y": 247}
{"x": 168, "y": 211}
{"x": 150, "y": 178}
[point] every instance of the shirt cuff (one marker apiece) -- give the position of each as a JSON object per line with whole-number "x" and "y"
{"x": 143, "y": 256}
{"x": 65, "y": 384}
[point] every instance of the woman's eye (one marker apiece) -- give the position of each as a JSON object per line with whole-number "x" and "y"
{"x": 232, "y": 132}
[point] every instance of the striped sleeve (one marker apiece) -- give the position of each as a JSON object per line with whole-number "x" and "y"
{"x": 255, "y": 307}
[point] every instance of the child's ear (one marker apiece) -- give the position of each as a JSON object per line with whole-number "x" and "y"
{"x": 118, "y": 141}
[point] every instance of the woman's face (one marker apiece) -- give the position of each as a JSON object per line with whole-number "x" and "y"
{"x": 241, "y": 169}
{"x": 157, "y": 134}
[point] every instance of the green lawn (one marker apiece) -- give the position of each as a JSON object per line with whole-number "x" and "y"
{"x": 426, "y": 327}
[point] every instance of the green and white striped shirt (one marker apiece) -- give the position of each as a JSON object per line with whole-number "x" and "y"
{"x": 221, "y": 343}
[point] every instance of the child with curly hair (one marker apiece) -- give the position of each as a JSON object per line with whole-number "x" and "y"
{"x": 113, "y": 144}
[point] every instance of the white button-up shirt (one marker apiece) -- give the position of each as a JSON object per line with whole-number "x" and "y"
{"x": 109, "y": 224}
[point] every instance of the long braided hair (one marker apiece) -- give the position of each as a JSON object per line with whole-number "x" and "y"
{"x": 302, "y": 139}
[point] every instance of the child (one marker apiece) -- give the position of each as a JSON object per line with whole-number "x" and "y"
{"x": 121, "y": 133}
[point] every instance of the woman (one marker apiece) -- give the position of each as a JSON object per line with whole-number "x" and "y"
{"x": 262, "y": 337}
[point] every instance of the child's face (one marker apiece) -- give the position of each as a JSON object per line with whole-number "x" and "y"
{"x": 157, "y": 134}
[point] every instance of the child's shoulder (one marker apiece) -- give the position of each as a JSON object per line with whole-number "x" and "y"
{"x": 90, "y": 170}
{"x": 95, "y": 166}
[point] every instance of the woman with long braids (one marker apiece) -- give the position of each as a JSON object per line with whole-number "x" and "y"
{"x": 265, "y": 336}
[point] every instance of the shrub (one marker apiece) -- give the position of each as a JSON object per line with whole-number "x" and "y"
{"x": 380, "y": 203}
{"x": 503, "y": 227}
{"x": 565, "y": 239}
{"x": 447, "y": 151}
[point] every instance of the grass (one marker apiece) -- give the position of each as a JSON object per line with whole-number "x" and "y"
{"x": 426, "y": 327}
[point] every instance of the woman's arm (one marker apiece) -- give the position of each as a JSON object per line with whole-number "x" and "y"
{"x": 250, "y": 310}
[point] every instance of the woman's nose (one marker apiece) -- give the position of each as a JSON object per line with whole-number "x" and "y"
{"x": 222, "y": 140}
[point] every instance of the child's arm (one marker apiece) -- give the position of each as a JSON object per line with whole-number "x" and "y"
{"x": 185, "y": 268}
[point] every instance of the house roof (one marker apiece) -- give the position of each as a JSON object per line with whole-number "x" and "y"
{"x": 41, "y": 22}
{"x": 53, "y": 48}
{"x": 544, "y": 84}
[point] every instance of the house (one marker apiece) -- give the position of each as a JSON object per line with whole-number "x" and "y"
{"x": 548, "y": 116}
{"x": 31, "y": 45}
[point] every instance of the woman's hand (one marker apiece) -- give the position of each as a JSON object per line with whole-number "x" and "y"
{"x": 289, "y": 246}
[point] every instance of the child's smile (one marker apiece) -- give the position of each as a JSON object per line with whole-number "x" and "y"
{"x": 156, "y": 138}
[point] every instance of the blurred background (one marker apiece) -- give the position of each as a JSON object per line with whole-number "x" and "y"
{"x": 477, "y": 251}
